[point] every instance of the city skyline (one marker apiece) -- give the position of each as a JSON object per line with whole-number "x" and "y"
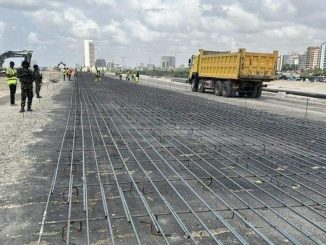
{"x": 143, "y": 31}
{"x": 313, "y": 57}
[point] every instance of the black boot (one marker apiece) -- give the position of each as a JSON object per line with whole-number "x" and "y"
{"x": 38, "y": 95}
{"x": 22, "y": 109}
{"x": 29, "y": 108}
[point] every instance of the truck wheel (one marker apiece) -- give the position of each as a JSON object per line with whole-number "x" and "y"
{"x": 227, "y": 89}
{"x": 259, "y": 91}
{"x": 201, "y": 86}
{"x": 194, "y": 85}
{"x": 218, "y": 88}
{"x": 256, "y": 93}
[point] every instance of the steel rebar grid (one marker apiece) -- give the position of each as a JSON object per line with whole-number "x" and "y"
{"x": 145, "y": 138}
{"x": 289, "y": 237}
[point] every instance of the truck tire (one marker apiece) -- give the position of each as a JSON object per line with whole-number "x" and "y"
{"x": 201, "y": 86}
{"x": 227, "y": 89}
{"x": 256, "y": 93}
{"x": 194, "y": 85}
{"x": 259, "y": 91}
{"x": 218, "y": 88}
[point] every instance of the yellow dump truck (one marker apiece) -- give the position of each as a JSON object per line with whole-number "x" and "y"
{"x": 229, "y": 74}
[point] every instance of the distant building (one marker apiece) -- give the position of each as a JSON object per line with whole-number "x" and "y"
{"x": 110, "y": 65}
{"x": 313, "y": 57}
{"x": 167, "y": 62}
{"x": 322, "y": 61}
{"x": 141, "y": 66}
{"x": 150, "y": 66}
{"x": 285, "y": 59}
{"x": 293, "y": 59}
{"x": 100, "y": 63}
{"x": 89, "y": 54}
{"x": 303, "y": 61}
{"x": 279, "y": 62}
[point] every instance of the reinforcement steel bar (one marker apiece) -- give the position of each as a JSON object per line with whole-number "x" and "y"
{"x": 191, "y": 170}
{"x": 212, "y": 192}
{"x": 302, "y": 231}
{"x": 293, "y": 225}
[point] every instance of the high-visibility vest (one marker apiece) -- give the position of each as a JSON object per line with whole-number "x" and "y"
{"x": 12, "y": 79}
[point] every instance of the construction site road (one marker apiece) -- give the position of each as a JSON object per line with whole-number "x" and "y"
{"x": 135, "y": 164}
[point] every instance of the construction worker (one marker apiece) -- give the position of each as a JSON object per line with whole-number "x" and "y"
{"x": 11, "y": 74}
{"x": 64, "y": 74}
{"x": 133, "y": 77}
{"x": 26, "y": 78}
{"x": 38, "y": 80}
{"x": 98, "y": 75}
{"x": 69, "y": 73}
{"x": 75, "y": 73}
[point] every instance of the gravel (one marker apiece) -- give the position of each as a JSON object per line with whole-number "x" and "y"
{"x": 19, "y": 176}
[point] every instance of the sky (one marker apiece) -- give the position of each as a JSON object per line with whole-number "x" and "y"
{"x": 144, "y": 30}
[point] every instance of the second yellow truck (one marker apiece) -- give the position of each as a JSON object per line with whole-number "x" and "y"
{"x": 229, "y": 74}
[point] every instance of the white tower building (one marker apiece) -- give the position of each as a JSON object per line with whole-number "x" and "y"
{"x": 89, "y": 54}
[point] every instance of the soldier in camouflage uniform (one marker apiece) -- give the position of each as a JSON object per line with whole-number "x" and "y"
{"x": 26, "y": 78}
{"x": 38, "y": 80}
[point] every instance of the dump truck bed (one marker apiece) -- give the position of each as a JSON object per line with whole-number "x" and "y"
{"x": 239, "y": 65}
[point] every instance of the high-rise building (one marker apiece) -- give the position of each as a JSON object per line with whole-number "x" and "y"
{"x": 89, "y": 54}
{"x": 303, "y": 61}
{"x": 167, "y": 62}
{"x": 100, "y": 63}
{"x": 313, "y": 57}
{"x": 285, "y": 59}
{"x": 322, "y": 62}
{"x": 293, "y": 59}
{"x": 279, "y": 62}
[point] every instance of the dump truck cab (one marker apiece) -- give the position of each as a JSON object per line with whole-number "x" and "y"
{"x": 193, "y": 67}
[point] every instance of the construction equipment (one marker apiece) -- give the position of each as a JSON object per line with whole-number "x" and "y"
{"x": 14, "y": 54}
{"x": 58, "y": 65}
{"x": 240, "y": 73}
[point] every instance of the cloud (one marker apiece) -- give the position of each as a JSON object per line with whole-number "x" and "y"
{"x": 116, "y": 33}
{"x": 146, "y": 29}
{"x": 80, "y": 25}
{"x": 2, "y": 30}
{"x": 45, "y": 17}
{"x": 242, "y": 21}
{"x": 33, "y": 38}
{"x": 141, "y": 32}
{"x": 18, "y": 4}
{"x": 101, "y": 2}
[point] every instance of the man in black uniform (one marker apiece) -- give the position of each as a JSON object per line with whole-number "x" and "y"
{"x": 38, "y": 80}
{"x": 26, "y": 78}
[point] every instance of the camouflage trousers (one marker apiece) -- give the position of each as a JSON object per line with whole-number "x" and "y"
{"x": 38, "y": 88}
{"x": 27, "y": 93}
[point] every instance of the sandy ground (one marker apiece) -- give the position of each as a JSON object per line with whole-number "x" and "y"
{"x": 17, "y": 163}
{"x": 310, "y": 87}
